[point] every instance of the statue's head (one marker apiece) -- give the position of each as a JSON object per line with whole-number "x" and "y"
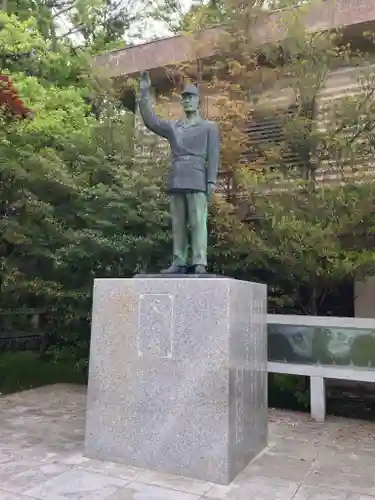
{"x": 190, "y": 98}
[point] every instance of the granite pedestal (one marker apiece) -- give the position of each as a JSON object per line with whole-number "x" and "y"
{"x": 178, "y": 375}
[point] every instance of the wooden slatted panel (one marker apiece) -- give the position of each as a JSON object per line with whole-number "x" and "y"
{"x": 267, "y": 133}
{"x": 339, "y": 85}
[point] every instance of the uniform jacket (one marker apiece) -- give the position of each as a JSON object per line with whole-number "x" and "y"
{"x": 195, "y": 148}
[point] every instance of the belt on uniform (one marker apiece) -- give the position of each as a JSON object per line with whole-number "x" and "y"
{"x": 189, "y": 157}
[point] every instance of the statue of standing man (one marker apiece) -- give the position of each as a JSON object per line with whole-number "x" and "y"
{"x": 195, "y": 145}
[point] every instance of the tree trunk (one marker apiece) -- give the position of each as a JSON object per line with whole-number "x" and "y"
{"x": 313, "y": 302}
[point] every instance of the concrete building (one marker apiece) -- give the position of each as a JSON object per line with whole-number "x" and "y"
{"x": 354, "y": 17}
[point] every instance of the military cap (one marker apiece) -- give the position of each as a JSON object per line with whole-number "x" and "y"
{"x": 190, "y": 89}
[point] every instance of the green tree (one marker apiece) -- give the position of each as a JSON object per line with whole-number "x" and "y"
{"x": 73, "y": 203}
{"x": 276, "y": 220}
{"x": 203, "y": 14}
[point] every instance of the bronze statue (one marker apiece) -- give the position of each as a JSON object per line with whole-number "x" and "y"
{"x": 195, "y": 145}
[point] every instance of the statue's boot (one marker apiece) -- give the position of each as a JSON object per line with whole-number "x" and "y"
{"x": 199, "y": 269}
{"x": 174, "y": 269}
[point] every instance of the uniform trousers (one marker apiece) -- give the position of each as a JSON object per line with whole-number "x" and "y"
{"x": 189, "y": 214}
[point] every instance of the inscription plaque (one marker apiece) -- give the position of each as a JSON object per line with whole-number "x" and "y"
{"x": 155, "y": 325}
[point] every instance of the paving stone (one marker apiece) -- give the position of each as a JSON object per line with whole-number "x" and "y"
{"x": 111, "y": 469}
{"x": 77, "y": 484}
{"x": 294, "y": 448}
{"x": 355, "y": 483}
{"x": 347, "y": 471}
{"x": 179, "y": 483}
{"x": 140, "y": 491}
{"x": 48, "y": 446}
{"x": 279, "y": 466}
{"x": 6, "y": 495}
{"x": 356, "y": 460}
{"x": 18, "y": 475}
{"x": 314, "y": 493}
{"x": 253, "y": 488}
{"x": 5, "y": 457}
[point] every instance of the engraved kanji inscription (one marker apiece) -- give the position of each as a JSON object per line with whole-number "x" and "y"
{"x": 239, "y": 421}
{"x": 155, "y": 325}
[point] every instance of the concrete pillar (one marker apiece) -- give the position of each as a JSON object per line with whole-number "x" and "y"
{"x": 317, "y": 399}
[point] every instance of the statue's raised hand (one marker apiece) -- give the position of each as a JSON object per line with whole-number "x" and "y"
{"x": 145, "y": 82}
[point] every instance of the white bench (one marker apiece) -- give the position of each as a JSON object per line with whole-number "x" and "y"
{"x": 318, "y": 373}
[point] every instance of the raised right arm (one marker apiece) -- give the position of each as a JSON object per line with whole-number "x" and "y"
{"x": 151, "y": 121}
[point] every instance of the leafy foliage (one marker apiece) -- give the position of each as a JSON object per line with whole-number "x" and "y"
{"x": 297, "y": 211}
{"x": 25, "y": 370}
{"x": 74, "y": 204}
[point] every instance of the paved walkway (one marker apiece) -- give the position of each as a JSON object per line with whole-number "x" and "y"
{"x": 41, "y": 441}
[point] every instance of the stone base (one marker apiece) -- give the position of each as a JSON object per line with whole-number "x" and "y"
{"x": 180, "y": 276}
{"x": 178, "y": 375}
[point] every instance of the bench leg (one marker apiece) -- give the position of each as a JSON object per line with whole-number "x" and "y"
{"x": 317, "y": 399}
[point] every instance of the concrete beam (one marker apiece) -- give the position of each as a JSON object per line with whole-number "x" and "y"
{"x": 323, "y": 15}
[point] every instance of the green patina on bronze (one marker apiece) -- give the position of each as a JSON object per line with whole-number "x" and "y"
{"x": 195, "y": 146}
